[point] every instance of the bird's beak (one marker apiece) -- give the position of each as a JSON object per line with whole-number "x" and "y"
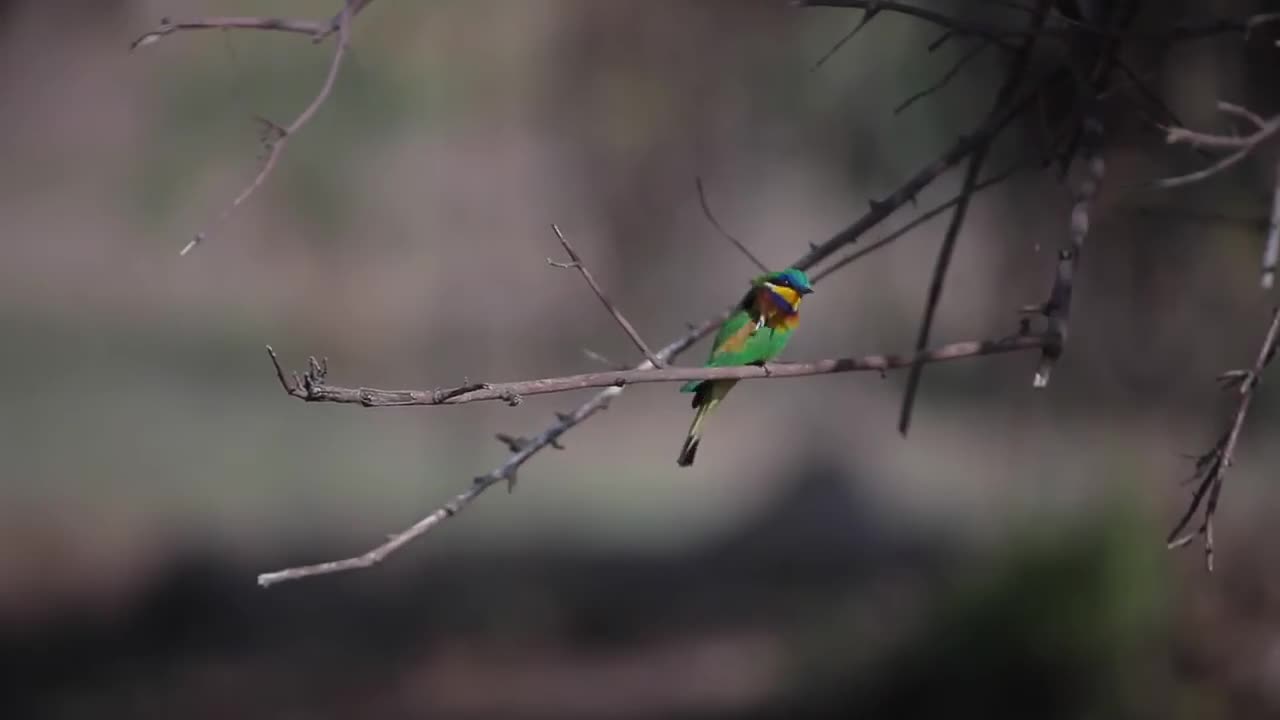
{"x": 806, "y": 291}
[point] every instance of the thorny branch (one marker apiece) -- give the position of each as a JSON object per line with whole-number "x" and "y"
{"x": 946, "y": 78}
{"x": 576, "y": 262}
{"x": 313, "y": 386}
{"x": 1004, "y": 96}
{"x": 275, "y": 137}
{"x": 1211, "y": 468}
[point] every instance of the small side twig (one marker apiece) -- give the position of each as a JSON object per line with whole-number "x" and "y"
{"x": 943, "y": 81}
{"x": 867, "y": 16}
{"x": 711, "y": 218}
{"x": 576, "y": 262}
{"x": 1242, "y": 145}
{"x": 1211, "y": 467}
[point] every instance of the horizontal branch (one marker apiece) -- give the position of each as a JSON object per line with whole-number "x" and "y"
{"x": 313, "y": 387}
{"x": 1244, "y": 145}
{"x": 317, "y": 30}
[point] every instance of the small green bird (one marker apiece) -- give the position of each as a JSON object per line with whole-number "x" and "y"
{"x": 753, "y": 335}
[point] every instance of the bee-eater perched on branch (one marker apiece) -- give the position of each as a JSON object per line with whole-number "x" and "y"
{"x": 753, "y": 335}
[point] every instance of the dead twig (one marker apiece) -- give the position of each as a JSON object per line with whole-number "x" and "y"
{"x": 575, "y": 262}
{"x": 317, "y": 29}
{"x": 1004, "y": 96}
{"x": 943, "y": 81}
{"x": 277, "y": 136}
{"x": 1211, "y": 468}
{"x": 711, "y": 218}
{"x": 867, "y": 16}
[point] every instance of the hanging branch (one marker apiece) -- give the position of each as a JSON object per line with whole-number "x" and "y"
{"x": 275, "y": 137}
{"x": 1004, "y": 96}
{"x": 711, "y": 218}
{"x": 1211, "y": 467}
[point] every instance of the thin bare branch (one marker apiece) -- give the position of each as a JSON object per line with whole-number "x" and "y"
{"x": 867, "y": 16}
{"x": 316, "y": 29}
{"x": 942, "y": 82}
{"x": 276, "y": 137}
{"x": 711, "y": 218}
{"x": 916, "y": 222}
{"x": 1271, "y": 250}
{"x": 907, "y": 192}
{"x": 1005, "y": 36}
{"x": 315, "y": 388}
{"x": 991, "y": 33}
{"x": 575, "y": 261}
{"x": 1204, "y": 174}
{"x": 1242, "y": 112}
{"x": 1211, "y": 467}
{"x": 1244, "y": 145}
{"x": 276, "y": 143}
{"x": 1004, "y": 96}
{"x": 565, "y": 422}
{"x": 1265, "y": 129}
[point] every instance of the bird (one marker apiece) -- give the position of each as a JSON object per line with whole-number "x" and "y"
{"x": 754, "y": 334}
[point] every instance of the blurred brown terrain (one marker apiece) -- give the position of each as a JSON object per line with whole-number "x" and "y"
{"x": 1005, "y": 560}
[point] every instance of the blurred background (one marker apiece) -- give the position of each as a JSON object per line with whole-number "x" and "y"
{"x": 1005, "y": 560}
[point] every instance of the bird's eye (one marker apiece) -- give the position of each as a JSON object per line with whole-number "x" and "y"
{"x": 783, "y": 281}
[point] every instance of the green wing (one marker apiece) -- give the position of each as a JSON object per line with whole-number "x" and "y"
{"x": 739, "y": 343}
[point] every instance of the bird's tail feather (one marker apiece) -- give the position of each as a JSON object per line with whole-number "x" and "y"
{"x": 690, "y": 448}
